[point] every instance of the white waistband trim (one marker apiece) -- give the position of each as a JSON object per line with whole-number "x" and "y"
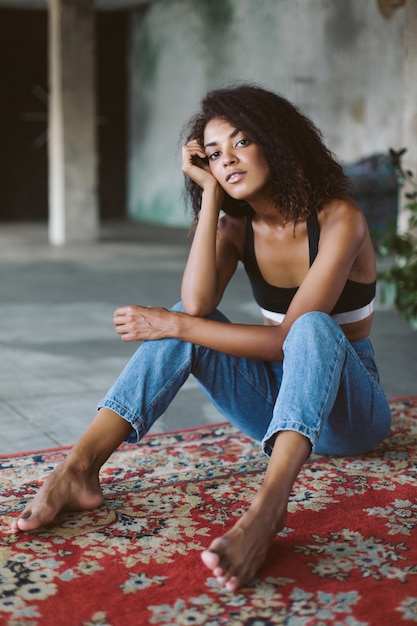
{"x": 339, "y": 318}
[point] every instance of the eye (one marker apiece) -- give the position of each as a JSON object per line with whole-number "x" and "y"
{"x": 243, "y": 142}
{"x": 214, "y": 155}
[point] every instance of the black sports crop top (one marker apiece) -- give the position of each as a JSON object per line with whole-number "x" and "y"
{"x": 277, "y": 299}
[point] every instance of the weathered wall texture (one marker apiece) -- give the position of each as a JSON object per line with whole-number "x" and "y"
{"x": 339, "y": 60}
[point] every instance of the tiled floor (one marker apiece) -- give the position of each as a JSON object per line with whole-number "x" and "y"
{"x": 59, "y": 351}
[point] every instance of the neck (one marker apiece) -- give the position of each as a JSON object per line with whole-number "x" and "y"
{"x": 270, "y": 215}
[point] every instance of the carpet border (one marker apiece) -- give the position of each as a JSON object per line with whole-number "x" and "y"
{"x": 13, "y": 455}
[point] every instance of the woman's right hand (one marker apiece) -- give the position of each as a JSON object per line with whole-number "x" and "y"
{"x": 195, "y": 165}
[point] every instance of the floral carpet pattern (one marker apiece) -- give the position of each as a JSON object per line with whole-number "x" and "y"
{"x": 348, "y": 556}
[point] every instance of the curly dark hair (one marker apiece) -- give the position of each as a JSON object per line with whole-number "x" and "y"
{"x": 303, "y": 170}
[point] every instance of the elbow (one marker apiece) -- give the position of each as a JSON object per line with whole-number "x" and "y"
{"x": 196, "y": 308}
{"x": 278, "y": 355}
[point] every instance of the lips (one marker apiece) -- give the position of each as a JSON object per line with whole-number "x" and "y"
{"x": 234, "y": 176}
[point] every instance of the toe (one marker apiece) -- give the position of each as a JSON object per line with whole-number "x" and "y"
{"x": 219, "y": 572}
{"x": 14, "y": 527}
{"x": 19, "y": 523}
{"x": 24, "y": 524}
{"x": 222, "y": 580}
{"x": 210, "y": 560}
{"x": 232, "y": 584}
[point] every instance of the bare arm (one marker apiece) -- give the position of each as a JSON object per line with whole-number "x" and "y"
{"x": 212, "y": 259}
{"x": 138, "y": 323}
{"x": 342, "y": 237}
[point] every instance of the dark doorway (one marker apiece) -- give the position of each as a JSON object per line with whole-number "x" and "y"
{"x": 24, "y": 107}
{"x": 112, "y": 110}
{"x": 23, "y": 80}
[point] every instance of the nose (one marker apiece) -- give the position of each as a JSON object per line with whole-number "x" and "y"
{"x": 229, "y": 158}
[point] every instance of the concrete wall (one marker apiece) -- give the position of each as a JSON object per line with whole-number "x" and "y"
{"x": 339, "y": 60}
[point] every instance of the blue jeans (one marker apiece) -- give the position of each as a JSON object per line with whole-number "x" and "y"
{"x": 326, "y": 388}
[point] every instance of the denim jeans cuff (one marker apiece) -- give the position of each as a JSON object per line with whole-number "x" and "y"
{"x": 298, "y": 427}
{"x": 136, "y": 435}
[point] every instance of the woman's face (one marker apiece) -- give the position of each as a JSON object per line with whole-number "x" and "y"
{"x": 237, "y": 163}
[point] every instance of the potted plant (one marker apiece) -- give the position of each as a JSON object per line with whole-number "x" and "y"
{"x": 398, "y": 282}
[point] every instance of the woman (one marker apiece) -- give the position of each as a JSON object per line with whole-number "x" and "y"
{"x": 303, "y": 380}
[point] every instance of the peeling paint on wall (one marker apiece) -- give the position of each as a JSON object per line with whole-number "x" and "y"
{"x": 344, "y": 26}
{"x": 216, "y": 17}
{"x": 357, "y": 109}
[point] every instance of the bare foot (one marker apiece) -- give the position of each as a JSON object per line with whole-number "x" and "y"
{"x": 236, "y": 557}
{"x": 66, "y": 489}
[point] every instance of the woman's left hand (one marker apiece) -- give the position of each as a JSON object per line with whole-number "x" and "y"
{"x": 143, "y": 323}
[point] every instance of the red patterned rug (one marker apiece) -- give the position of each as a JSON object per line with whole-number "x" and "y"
{"x": 348, "y": 556}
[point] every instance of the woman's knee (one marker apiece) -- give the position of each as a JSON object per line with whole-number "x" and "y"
{"x": 314, "y": 326}
{"x": 314, "y": 320}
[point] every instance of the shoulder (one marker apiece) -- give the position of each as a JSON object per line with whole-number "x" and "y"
{"x": 231, "y": 231}
{"x": 343, "y": 216}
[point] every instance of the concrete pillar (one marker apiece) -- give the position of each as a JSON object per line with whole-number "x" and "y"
{"x": 73, "y": 198}
{"x": 409, "y": 138}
